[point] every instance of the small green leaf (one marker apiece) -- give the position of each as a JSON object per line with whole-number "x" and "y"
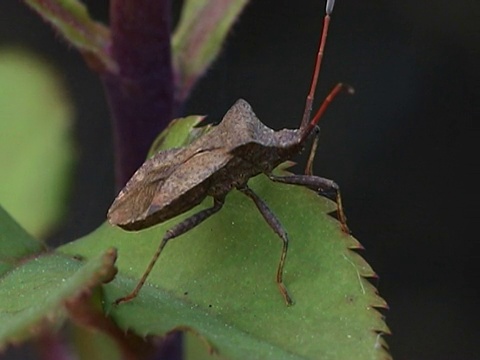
{"x": 33, "y": 294}
{"x": 179, "y": 132}
{"x": 218, "y": 280}
{"x": 198, "y": 38}
{"x": 36, "y": 152}
{"x": 15, "y": 243}
{"x": 71, "y": 19}
{"x": 91, "y": 343}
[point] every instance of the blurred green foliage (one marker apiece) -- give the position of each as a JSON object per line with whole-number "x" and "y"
{"x": 36, "y": 150}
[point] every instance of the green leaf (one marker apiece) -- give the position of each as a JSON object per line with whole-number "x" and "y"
{"x": 179, "y": 132}
{"x": 36, "y": 152}
{"x": 198, "y": 38}
{"x": 15, "y": 243}
{"x": 71, "y": 19}
{"x": 33, "y": 295}
{"x": 92, "y": 344}
{"x": 218, "y": 280}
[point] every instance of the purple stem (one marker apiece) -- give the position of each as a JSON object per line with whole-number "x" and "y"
{"x": 140, "y": 95}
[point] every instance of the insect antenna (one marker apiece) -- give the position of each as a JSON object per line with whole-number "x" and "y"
{"x": 333, "y": 93}
{"x": 318, "y": 64}
{"x": 307, "y": 125}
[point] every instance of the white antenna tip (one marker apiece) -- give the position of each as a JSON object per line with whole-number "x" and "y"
{"x": 329, "y": 7}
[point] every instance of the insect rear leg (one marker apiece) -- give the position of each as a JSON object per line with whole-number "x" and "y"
{"x": 179, "y": 229}
{"x": 317, "y": 184}
{"x": 276, "y": 226}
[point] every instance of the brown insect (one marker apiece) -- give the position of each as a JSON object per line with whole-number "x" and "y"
{"x": 240, "y": 147}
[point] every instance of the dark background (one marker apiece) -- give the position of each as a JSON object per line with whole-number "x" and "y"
{"x": 402, "y": 148}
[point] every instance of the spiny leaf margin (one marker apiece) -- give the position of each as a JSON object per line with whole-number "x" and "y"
{"x": 217, "y": 280}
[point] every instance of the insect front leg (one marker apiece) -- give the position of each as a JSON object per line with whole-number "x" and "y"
{"x": 313, "y": 151}
{"x": 179, "y": 229}
{"x": 276, "y": 226}
{"x": 317, "y": 184}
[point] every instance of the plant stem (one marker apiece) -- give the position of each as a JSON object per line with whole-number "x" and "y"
{"x": 140, "y": 95}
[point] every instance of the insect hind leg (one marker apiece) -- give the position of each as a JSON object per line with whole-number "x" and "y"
{"x": 320, "y": 185}
{"x": 179, "y": 229}
{"x": 276, "y": 226}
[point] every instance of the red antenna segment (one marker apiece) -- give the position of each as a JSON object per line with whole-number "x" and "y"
{"x": 306, "y": 125}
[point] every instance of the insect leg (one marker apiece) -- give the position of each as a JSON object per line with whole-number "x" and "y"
{"x": 317, "y": 184}
{"x": 313, "y": 150}
{"x": 276, "y": 226}
{"x": 175, "y": 231}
